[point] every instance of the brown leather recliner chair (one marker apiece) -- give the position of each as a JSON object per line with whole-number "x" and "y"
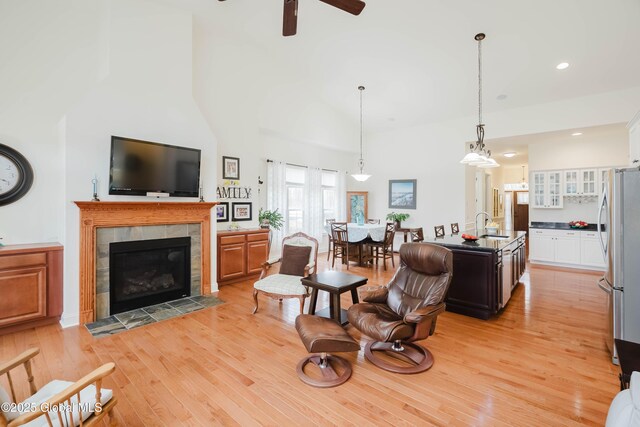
{"x": 406, "y": 309}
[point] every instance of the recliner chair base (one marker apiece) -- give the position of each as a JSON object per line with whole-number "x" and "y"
{"x": 325, "y": 364}
{"x": 419, "y": 358}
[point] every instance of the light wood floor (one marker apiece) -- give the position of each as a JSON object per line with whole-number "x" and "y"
{"x": 541, "y": 362}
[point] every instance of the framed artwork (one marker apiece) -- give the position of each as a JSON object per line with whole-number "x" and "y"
{"x": 241, "y": 211}
{"x": 357, "y": 206}
{"x": 230, "y": 168}
{"x": 402, "y": 193}
{"x": 222, "y": 212}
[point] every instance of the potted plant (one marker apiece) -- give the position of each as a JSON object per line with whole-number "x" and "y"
{"x": 270, "y": 219}
{"x": 397, "y": 218}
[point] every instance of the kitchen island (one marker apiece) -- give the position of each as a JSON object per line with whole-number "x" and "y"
{"x": 484, "y": 272}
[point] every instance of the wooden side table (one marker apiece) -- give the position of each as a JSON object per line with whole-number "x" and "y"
{"x": 336, "y": 283}
{"x": 629, "y": 356}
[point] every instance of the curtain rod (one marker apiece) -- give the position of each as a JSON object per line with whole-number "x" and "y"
{"x": 302, "y": 166}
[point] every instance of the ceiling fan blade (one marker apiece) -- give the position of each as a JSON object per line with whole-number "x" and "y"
{"x": 354, "y": 7}
{"x": 290, "y": 19}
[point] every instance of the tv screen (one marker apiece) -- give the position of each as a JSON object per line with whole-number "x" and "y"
{"x": 141, "y": 167}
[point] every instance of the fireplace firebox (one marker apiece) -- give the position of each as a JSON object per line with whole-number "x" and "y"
{"x": 148, "y": 272}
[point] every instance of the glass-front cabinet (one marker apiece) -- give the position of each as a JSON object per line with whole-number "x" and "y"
{"x": 571, "y": 182}
{"x": 547, "y": 189}
{"x": 589, "y": 182}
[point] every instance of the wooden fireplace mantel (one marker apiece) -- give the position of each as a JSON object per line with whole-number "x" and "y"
{"x": 94, "y": 215}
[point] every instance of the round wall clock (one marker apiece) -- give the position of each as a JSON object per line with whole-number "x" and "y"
{"x": 16, "y": 175}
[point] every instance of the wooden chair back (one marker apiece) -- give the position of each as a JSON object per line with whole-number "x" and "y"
{"x": 454, "y": 228}
{"x": 439, "y": 229}
{"x": 339, "y": 233}
{"x": 417, "y": 235}
{"x": 389, "y": 234}
{"x": 373, "y": 221}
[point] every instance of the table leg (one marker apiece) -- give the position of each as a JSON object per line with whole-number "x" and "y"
{"x": 312, "y": 301}
{"x": 335, "y": 308}
{"x": 354, "y": 296}
{"x": 405, "y": 237}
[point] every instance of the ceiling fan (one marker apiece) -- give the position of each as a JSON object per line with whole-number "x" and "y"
{"x": 290, "y": 19}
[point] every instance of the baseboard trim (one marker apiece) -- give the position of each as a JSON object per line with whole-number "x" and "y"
{"x": 68, "y": 320}
{"x": 560, "y": 266}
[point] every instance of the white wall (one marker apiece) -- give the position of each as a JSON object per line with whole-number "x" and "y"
{"x": 127, "y": 70}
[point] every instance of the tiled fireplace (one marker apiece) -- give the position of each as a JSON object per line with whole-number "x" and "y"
{"x": 102, "y": 223}
{"x": 152, "y": 281}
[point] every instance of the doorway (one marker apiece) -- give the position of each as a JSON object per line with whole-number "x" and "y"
{"x": 521, "y": 211}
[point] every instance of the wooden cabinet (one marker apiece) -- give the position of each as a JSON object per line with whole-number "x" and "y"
{"x": 547, "y": 189}
{"x": 30, "y": 286}
{"x": 241, "y": 254}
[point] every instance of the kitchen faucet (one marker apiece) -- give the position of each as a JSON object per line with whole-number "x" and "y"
{"x": 475, "y": 223}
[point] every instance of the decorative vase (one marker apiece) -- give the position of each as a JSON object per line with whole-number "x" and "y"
{"x": 264, "y": 223}
{"x": 398, "y": 225}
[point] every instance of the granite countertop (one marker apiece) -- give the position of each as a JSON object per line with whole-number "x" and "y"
{"x": 483, "y": 244}
{"x": 563, "y": 226}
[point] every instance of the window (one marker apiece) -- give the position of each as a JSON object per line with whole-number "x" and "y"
{"x": 295, "y": 179}
{"x": 329, "y": 195}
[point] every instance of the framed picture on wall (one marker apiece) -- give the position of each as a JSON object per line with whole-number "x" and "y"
{"x": 402, "y": 193}
{"x": 230, "y": 168}
{"x": 222, "y": 212}
{"x": 241, "y": 211}
{"x": 357, "y": 206}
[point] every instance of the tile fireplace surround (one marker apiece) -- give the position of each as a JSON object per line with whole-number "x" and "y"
{"x": 105, "y": 217}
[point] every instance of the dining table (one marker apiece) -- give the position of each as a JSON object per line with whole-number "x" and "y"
{"x": 361, "y": 234}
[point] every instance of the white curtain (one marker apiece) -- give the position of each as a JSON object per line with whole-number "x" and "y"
{"x": 341, "y": 213}
{"x": 277, "y": 198}
{"x": 313, "y": 217}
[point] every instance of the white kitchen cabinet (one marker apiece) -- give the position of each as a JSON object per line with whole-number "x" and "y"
{"x": 547, "y": 189}
{"x": 576, "y": 248}
{"x": 580, "y": 182}
{"x": 541, "y": 246}
{"x": 590, "y": 250}
{"x": 567, "y": 246}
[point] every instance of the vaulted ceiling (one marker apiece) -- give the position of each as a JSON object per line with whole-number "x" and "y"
{"x": 418, "y": 58}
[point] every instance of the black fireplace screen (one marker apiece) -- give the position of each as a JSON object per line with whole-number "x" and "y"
{"x": 148, "y": 272}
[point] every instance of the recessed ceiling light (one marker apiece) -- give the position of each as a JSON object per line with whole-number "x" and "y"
{"x": 562, "y": 66}
{"x": 509, "y": 154}
{"x": 576, "y": 134}
{"x": 501, "y": 97}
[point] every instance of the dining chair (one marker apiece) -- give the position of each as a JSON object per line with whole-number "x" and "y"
{"x": 454, "y": 228}
{"x": 341, "y": 245}
{"x": 439, "y": 229}
{"x": 417, "y": 235}
{"x": 384, "y": 249}
{"x": 328, "y": 222}
{"x": 373, "y": 221}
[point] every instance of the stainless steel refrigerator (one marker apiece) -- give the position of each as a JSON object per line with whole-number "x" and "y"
{"x": 619, "y": 212}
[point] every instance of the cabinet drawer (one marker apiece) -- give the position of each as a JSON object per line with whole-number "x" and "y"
{"x": 542, "y": 232}
{"x": 22, "y": 260}
{"x": 256, "y": 237}
{"x": 589, "y": 235}
{"x": 569, "y": 234}
{"x": 228, "y": 240}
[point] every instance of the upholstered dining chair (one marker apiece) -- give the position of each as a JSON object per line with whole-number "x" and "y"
{"x": 417, "y": 235}
{"x": 342, "y": 247}
{"x": 328, "y": 222}
{"x": 384, "y": 250}
{"x": 439, "y": 230}
{"x": 83, "y": 402}
{"x": 299, "y": 259}
{"x": 405, "y": 310}
{"x": 373, "y": 221}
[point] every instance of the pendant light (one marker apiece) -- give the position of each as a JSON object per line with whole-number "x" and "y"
{"x": 479, "y": 156}
{"x": 524, "y": 182}
{"x": 361, "y": 176}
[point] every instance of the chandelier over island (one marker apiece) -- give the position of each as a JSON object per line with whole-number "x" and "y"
{"x": 479, "y": 156}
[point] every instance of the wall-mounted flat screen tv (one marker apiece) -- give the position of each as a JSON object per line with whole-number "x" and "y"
{"x": 141, "y": 168}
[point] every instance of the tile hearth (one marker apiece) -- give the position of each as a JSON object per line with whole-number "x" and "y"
{"x": 147, "y": 315}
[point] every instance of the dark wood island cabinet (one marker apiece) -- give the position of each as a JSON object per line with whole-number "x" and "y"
{"x": 484, "y": 272}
